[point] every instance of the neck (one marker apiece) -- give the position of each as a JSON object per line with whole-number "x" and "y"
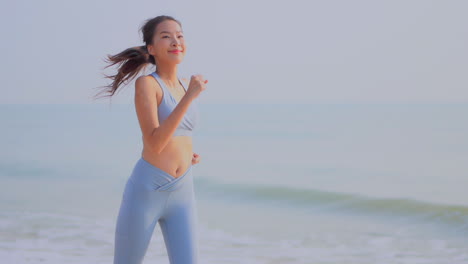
{"x": 169, "y": 74}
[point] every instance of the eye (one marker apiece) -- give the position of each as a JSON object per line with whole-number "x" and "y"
{"x": 165, "y": 36}
{"x": 181, "y": 36}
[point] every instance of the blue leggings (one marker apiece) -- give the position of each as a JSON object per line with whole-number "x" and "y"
{"x": 152, "y": 195}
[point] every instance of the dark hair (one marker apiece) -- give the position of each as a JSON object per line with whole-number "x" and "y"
{"x": 132, "y": 60}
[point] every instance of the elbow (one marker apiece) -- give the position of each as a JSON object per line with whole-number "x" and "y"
{"x": 153, "y": 142}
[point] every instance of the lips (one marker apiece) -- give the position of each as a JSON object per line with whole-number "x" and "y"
{"x": 175, "y": 51}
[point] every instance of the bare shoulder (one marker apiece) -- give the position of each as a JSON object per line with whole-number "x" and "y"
{"x": 144, "y": 82}
{"x": 146, "y": 85}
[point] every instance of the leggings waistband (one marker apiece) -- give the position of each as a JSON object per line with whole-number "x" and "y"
{"x": 158, "y": 179}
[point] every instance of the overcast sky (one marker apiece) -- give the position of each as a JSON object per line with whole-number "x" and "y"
{"x": 411, "y": 51}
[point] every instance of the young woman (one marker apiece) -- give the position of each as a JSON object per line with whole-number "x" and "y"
{"x": 160, "y": 187}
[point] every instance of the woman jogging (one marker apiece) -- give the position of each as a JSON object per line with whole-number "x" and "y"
{"x": 160, "y": 187}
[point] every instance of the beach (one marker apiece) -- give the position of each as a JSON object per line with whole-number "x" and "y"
{"x": 292, "y": 183}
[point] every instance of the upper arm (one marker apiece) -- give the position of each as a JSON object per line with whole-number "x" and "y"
{"x": 146, "y": 105}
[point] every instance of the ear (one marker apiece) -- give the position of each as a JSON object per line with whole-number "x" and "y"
{"x": 150, "y": 49}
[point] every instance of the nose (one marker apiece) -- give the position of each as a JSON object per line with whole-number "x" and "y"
{"x": 176, "y": 42}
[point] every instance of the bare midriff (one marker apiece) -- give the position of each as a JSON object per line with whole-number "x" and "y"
{"x": 175, "y": 158}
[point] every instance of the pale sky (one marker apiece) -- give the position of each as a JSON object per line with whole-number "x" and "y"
{"x": 405, "y": 51}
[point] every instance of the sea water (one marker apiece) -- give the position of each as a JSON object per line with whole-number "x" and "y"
{"x": 322, "y": 183}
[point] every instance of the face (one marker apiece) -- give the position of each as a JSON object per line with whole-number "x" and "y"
{"x": 168, "y": 43}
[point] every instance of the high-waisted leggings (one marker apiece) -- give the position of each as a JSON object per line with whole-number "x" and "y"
{"x": 152, "y": 195}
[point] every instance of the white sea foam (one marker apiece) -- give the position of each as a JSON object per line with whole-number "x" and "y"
{"x": 52, "y": 238}
{"x": 318, "y": 184}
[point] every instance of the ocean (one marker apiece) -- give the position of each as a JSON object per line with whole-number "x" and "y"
{"x": 279, "y": 183}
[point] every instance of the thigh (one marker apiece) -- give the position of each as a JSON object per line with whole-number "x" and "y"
{"x": 139, "y": 212}
{"x": 179, "y": 225}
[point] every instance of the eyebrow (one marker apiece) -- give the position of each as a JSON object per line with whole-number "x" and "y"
{"x": 170, "y": 32}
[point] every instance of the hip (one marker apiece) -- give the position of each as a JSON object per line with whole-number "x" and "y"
{"x": 150, "y": 178}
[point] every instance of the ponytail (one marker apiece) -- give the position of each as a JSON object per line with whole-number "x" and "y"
{"x": 131, "y": 61}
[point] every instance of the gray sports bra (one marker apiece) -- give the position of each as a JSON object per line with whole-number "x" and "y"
{"x": 168, "y": 103}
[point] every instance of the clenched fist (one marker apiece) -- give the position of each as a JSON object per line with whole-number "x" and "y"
{"x": 196, "y": 86}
